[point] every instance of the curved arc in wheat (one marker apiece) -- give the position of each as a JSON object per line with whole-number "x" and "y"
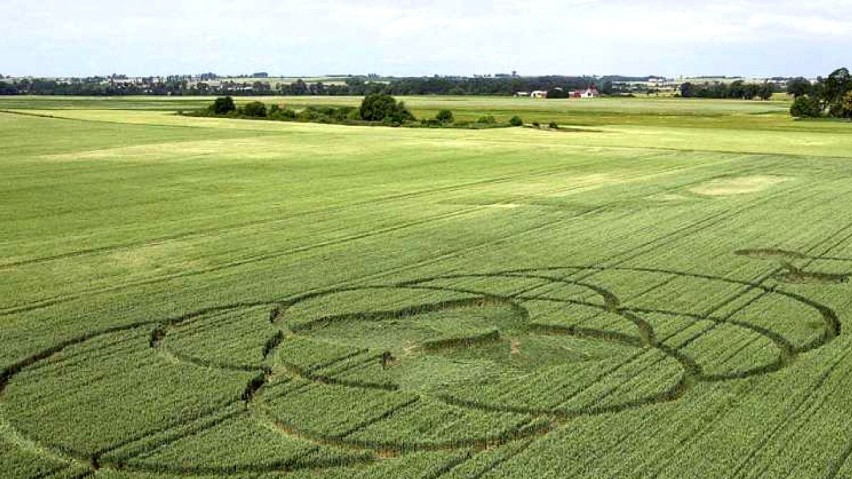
{"x": 611, "y": 303}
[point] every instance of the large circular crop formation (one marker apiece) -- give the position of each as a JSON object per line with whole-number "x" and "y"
{"x": 361, "y": 374}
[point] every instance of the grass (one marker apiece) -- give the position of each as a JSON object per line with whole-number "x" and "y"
{"x": 658, "y": 290}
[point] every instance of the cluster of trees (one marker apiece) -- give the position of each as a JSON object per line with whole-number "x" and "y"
{"x": 7, "y": 89}
{"x": 375, "y": 109}
{"x": 827, "y": 97}
{"x": 738, "y": 89}
{"x": 226, "y": 107}
{"x": 383, "y": 108}
{"x": 446, "y": 118}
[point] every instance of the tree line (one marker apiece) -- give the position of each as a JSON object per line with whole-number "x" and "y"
{"x": 738, "y": 90}
{"x": 352, "y": 86}
{"x": 829, "y": 97}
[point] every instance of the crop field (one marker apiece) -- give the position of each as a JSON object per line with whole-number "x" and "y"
{"x": 661, "y": 289}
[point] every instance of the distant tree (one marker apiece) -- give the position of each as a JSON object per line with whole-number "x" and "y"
{"x": 299, "y": 87}
{"x": 831, "y": 96}
{"x": 260, "y": 88}
{"x": 607, "y": 88}
{"x": 839, "y": 81}
{"x": 254, "y": 109}
{"x": 737, "y": 89}
{"x": 486, "y": 120}
{"x": 799, "y": 87}
{"x": 8, "y": 89}
{"x": 377, "y": 106}
{"x": 817, "y": 89}
{"x": 834, "y": 90}
{"x": 686, "y": 90}
{"x": 223, "y": 106}
{"x": 516, "y": 121}
{"x": 381, "y": 107}
{"x": 806, "y": 106}
{"x": 553, "y": 125}
{"x": 277, "y": 113}
{"x": 765, "y": 91}
{"x": 445, "y": 116}
{"x": 847, "y": 105}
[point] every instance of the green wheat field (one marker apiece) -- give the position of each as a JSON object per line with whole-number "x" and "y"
{"x": 660, "y": 289}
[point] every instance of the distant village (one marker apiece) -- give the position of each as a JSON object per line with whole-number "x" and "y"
{"x": 590, "y": 92}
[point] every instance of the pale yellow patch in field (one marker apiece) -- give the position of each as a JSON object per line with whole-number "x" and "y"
{"x": 549, "y": 186}
{"x": 168, "y": 356}
{"x": 233, "y": 148}
{"x": 152, "y": 256}
{"x": 410, "y": 348}
{"x": 579, "y": 184}
{"x": 160, "y": 118}
{"x": 668, "y": 197}
{"x": 515, "y": 347}
{"x": 504, "y": 205}
{"x": 738, "y": 186}
{"x": 158, "y": 151}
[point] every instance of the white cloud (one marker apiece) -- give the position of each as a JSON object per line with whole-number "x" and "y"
{"x": 417, "y": 37}
{"x": 802, "y": 25}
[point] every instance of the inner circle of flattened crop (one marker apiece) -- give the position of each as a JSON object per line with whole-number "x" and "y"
{"x": 607, "y": 301}
{"x": 691, "y": 372}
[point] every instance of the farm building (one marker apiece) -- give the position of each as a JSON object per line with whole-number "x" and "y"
{"x": 587, "y": 93}
{"x": 539, "y": 94}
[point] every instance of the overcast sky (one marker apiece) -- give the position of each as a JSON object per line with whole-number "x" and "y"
{"x": 424, "y": 37}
